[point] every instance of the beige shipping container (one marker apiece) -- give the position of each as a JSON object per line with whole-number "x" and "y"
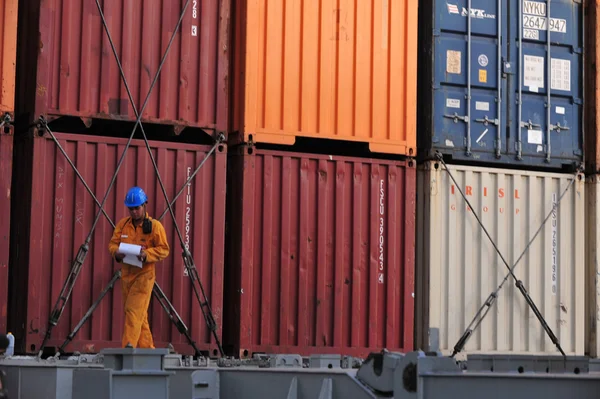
{"x": 458, "y": 268}
{"x": 593, "y": 265}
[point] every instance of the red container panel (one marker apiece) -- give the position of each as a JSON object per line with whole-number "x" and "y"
{"x": 321, "y": 254}
{"x": 76, "y": 73}
{"x": 6, "y": 157}
{"x": 61, "y": 216}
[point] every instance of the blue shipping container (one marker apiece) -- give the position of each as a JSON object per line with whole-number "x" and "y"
{"x": 484, "y": 81}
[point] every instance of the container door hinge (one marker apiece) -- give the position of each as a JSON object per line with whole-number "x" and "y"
{"x": 578, "y": 152}
{"x": 578, "y": 101}
{"x": 578, "y": 50}
{"x": 457, "y": 117}
{"x": 508, "y": 68}
{"x": 437, "y": 32}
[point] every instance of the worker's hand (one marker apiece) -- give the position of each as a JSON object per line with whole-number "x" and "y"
{"x": 142, "y": 256}
{"x": 119, "y": 257}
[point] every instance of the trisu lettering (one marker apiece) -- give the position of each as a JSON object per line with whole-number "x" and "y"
{"x": 468, "y": 191}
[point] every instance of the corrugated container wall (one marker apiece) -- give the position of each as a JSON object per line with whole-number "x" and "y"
{"x": 486, "y": 99}
{"x": 321, "y": 254}
{"x": 592, "y": 287}
{"x": 592, "y": 90}
{"x": 8, "y": 55}
{"x": 458, "y": 268}
{"x": 56, "y": 214}
{"x": 72, "y": 70}
{"x": 6, "y": 158}
{"x": 327, "y": 69}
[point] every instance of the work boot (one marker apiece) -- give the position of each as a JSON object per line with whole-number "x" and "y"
{"x": 129, "y": 346}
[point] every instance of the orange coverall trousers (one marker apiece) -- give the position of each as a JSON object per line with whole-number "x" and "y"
{"x": 137, "y": 283}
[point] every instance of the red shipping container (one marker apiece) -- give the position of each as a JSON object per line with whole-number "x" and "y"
{"x": 320, "y": 254}
{"x": 55, "y": 214}
{"x": 6, "y": 157}
{"x": 70, "y": 68}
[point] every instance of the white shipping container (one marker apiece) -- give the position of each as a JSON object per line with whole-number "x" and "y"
{"x": 458, "y": 268}
{"x": 593, "y": 265}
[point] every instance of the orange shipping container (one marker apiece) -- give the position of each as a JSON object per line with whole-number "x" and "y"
{"x": 8, "y": 55}
{"x": 343, "y": 70}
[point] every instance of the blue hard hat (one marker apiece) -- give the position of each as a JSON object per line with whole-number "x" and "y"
{"x": 135, "y": 197}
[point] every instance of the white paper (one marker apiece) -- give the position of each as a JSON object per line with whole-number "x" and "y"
{"x": 452, "y": 103}
{"x": 131, "y": 254}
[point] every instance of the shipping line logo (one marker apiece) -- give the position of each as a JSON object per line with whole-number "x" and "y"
{"x": 475, "y": 12}
{"x": 500, "y": 193}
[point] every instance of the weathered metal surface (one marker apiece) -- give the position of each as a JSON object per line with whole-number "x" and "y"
{"x": 458, "y": 268}
{"x": 121, "y": 373}
{"x": 328, "y": 69}
{"x": 74, "y": 71}
{"x": 6, "y": 160}
{"x": 592, "y": 286}
{"x": 54, "y": 215}
{"x": 8, "y": 54}
{"x": 321, "y": 254}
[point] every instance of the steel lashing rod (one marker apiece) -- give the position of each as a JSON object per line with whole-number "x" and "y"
{"x": 187, "y": 256}
{"x": 518, "y": 283}
{"x": 157, "y": 291}
{"x": 67, "y": 288}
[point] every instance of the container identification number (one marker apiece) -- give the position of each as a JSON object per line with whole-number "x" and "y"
{"x": 188, "y": 215}
{"x": 381, "y": 220}
{"x": 195, "y": 16}
{"x": 540, "y": 23}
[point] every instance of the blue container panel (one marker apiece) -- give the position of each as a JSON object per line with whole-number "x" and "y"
{"x": 565, "y": 82}
{"x": 451, "y": 16}
{"x": 493, "y": 131}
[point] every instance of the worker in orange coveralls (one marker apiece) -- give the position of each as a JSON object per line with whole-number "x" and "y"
{"x": 137, "y": 283}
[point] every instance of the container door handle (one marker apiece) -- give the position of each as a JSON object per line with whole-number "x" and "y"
{"x": 530, "y": 125}
{"x": 487, "y": 121}
{"x": 457, "y": 117}
{"x": 558, "y": 127}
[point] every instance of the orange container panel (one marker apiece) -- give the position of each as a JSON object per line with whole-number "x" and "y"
{"x": 332, "y": 69}
{"x": 8, "y": 54}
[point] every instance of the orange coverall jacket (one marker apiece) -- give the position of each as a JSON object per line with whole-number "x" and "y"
{"x": 137, "y": 283}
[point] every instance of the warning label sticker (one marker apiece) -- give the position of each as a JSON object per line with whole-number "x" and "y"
{"x": 453, "y": 62}
{"x": 561, "y": 74}
{"x": 533, "y": 71}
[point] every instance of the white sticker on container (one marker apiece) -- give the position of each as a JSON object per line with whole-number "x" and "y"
{"x": 560, "y": 110}
{"x": 452, "y": 103}
{"x": 483, "y": 60}
{"x": 534, "y": 136}
{"x": 554, "y": 244}
{"x": 533, "y": 71}
{"x": 533, "y": 89}
{"x": 449, "y": 143}
{"x": 453, "y": 62}
{"x": 482, "y": 106}
{"x": 561, "y": 74}
{"x": 531, "y": 34}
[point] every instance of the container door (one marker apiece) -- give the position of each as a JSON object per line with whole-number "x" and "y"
{"x": 547, "y": 124}
{"x": 469, "y": 90}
